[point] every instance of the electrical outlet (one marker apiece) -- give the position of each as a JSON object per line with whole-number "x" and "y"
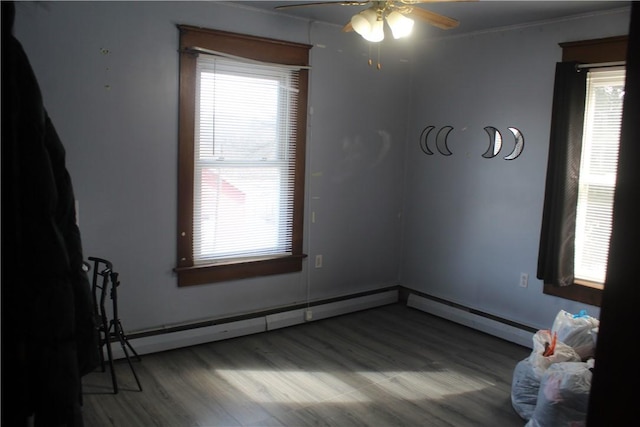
{"x": 318, "y": 261}
{"x": 524, "y": 280}
{"x": 308, "y": 315}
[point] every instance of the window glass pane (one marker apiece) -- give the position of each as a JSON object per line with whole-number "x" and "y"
{"x": 242, "y": 202}
{"x": 241, "y": 114}
{"x": 598, "y": 168}
{"x": 244, "y": 160}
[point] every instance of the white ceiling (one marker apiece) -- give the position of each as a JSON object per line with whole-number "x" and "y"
{"x": 474, "y": 16}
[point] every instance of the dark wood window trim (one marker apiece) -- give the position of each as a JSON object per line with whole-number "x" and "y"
{"x": 256, "y": 48}
{"x": 610, "y": 49}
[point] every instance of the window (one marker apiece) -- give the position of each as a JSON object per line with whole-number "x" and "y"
{"x": 241, "y": 156}
{"x": 581, "y": 173}
{"x": 598, "y": 166}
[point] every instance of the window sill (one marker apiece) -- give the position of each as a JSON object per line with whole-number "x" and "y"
{"x": 582, "y": 292}
{"x": 222, "y": 272}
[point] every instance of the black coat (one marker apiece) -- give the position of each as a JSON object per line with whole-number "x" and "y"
{"x": 49, "y": 339}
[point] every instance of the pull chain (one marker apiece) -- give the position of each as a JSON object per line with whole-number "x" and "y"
{"x": 370, "y": 62}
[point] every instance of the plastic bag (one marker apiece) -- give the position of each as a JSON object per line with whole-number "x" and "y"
{"x": 563, "y": 397}
{"x": 524, "y": 389}
{"x": 528, "y": 373}
{"x": 578, "y": 331}
{"x": 541, "y": 358}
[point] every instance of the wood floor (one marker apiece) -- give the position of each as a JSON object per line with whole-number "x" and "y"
{"x": 388, "y": 366}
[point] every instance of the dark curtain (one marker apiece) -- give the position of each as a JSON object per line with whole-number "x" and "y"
{"x": 557, "y": 247}
{"x": 49, "y": 336}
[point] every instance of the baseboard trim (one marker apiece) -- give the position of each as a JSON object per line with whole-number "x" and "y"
{"x": 154, "y": 341}
{"x": 490, "y": 324}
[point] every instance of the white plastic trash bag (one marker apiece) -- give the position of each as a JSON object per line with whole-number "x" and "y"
{"x": 563, "y": 398}
{"x": 528, "y": 373}
{"x": 548, "y": 350}
{"x": 524, "y": 389}
{"x": 577, "y": 331}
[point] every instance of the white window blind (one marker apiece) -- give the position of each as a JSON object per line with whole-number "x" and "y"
{"x": 244, "y": 160}
{"x": 598, "y": 167}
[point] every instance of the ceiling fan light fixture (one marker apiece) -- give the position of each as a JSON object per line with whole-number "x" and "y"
{"x": 367, "y": 24}
{"x": 400, "y": 25}
{"x": 377, "y": 32}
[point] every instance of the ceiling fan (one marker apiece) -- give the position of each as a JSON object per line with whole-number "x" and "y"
{"x": 398, "y": 14}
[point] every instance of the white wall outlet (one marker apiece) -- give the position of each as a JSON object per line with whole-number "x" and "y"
{"x": 318, "y": 261}
{"x": 308, "y": 315}
{"x": 524, "y": 280}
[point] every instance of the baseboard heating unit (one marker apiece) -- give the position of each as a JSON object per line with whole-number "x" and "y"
{"x": 492, "y": 325}
{"x": 219, "y": 329}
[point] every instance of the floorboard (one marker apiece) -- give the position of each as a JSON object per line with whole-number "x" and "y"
{"x": 388, "y": 366}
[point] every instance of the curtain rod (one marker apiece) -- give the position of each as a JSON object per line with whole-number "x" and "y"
{"x": 240, "y": 58}
{"x": 602, "y": 64}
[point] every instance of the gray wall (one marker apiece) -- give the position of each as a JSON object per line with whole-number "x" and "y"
{"x": 109, "y": 77}
{"x": 459, "y": 227}
{"x": 472, "y": 224}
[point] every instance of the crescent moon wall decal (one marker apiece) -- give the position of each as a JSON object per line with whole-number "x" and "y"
{"x": 495, "y": 142}
{"x": 423, "y": 139}
{"x": 441, "y": 140}
{"x": 517, "y": 150}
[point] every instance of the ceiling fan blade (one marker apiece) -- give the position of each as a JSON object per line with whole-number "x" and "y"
{"x": 433, "y": 18}
{"x": 348, "y": 27}
{"x": 324, "y": 3}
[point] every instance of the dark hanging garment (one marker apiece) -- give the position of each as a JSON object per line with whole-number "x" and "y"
{"x": 49, "y": 337}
